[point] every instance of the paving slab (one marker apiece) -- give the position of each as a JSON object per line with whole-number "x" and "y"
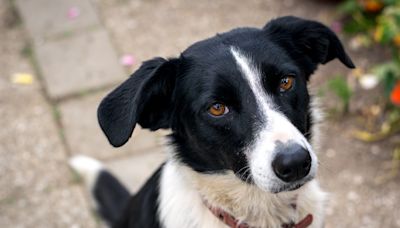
{"x": 32, "y": 156}
{"x": 35, "y": 183}
{"x": 84, "y": 136}
{"x": 78, "y": 63}
{"x": 134, "y": 170}
{"x": 64, "y": 207}
{"x": 147, "y": 29}
{"x": 52, "y": 18}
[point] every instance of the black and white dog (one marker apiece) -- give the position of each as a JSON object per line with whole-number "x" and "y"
{"x": 241, "y": 117}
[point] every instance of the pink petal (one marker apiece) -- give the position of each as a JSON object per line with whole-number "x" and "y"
{"x": 337, "y": 27}
{"x": 127, "y": 60}
{"x": 73, "y": 13}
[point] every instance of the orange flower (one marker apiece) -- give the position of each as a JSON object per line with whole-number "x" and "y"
{"x": 395, "y": 95}
{"x": 373, "y": 6}
{"x": 396, "y": 40}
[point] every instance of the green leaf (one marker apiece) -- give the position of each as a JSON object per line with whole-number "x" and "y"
{"x": 349, "y": 7}
{"x": 388, "y": 33}
{"x": 384, "y": 69}
{"x": 388, "y": 83}
{"x": 388, "y": 74}
{"x": 339, "y": 86}
{"x": 390, "y": 2}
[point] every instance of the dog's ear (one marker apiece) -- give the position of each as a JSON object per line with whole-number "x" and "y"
{"x": 309, "y": 42}
{"x": 144, "y": 98}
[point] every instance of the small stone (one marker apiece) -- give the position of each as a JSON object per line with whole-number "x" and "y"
{"x": 375, "y": 150}
{"x": 330, "y": 153}
{"x": 368, "y": 81}
{"x": 366, "y": 219}
{"x": 355, "y": 44}
{"x": 358, "y": 180}
{"x": 352, "y": 196}
{"x": 288, "y": 3}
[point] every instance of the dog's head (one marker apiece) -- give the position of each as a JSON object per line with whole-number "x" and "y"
{"x": 237, "y": 101}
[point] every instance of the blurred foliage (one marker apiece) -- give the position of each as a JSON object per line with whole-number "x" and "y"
{"x": 377, "y": 22}
{"x": 338, "y": 85}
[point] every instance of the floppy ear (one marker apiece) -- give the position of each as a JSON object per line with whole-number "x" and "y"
{"x": 144, "y": 98}
{"x": 309, "y": 42}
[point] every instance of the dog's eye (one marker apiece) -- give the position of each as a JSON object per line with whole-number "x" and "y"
{"x": 218, "y": 109}
{"x": 286, "y": 83}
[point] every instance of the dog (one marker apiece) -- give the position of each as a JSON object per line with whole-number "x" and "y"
{"x": 243, "y": 124}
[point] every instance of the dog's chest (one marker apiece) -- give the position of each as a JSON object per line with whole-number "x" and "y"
{"x": 182, "y": 201}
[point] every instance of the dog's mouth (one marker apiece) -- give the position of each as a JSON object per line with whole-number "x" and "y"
{"x": 283, "y": 187}
{"x": 287, "y": 187}
{"x": 293, "y": 187}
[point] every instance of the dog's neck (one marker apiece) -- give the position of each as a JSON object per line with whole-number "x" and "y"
{"x": 184, "y": 191}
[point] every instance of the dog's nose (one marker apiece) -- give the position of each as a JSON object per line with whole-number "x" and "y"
{"x": 292, "y": 163}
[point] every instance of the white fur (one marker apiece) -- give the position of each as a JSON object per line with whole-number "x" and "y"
{"x": 86, "y": 167}
{"x": 183, "y": 190}
{"x": 317, "y": 120}
{"x": 274, "y": 127}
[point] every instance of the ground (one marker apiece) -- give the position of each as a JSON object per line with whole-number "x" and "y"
{"x": 75, "y": 62}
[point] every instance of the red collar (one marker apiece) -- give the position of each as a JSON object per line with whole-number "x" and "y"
{"x": 232, "y": 222}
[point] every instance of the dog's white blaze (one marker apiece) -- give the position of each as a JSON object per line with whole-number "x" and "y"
{"x": 275, "y": 127}
{"x": 253, "y": 78}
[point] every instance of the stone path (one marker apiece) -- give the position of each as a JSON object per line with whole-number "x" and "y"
{"x": 75, "y": 65}
{"x": 74, "y": 53}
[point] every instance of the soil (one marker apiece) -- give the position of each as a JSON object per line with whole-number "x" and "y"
{"x": 352, "y": 171}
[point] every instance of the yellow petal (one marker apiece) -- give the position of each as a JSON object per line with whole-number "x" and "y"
{"x": 357, "y": 73}
{"x": 378, "y": 34}
{"x": 22, "y": 78}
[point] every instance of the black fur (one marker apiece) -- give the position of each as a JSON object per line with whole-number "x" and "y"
{"x": 176, "y": 94}
{"x": 142, "y": 208}
{"x": 144, "y": 98}
{"x": 111, "y": 197}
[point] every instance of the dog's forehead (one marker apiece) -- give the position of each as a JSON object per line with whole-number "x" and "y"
{"x": 215, "y": 53}
{"x": 211, "y": 64}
